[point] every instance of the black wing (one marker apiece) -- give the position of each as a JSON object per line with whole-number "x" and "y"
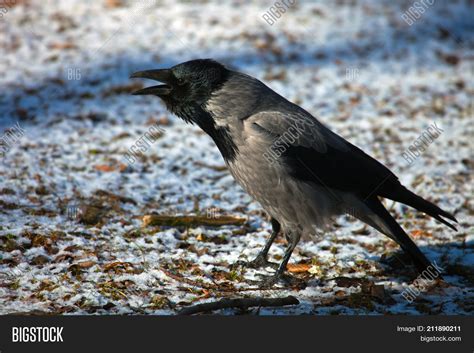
{"x": 346, "y": 170}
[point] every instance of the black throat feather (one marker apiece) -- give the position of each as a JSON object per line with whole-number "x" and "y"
{"x": 221, "y": 136}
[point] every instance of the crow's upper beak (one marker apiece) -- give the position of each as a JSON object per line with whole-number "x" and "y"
{"x": 162, "y": 75}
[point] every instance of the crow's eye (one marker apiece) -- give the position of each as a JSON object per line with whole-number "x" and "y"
{"x": 180, "y": 81}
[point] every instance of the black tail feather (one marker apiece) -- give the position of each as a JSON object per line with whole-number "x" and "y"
{"x": 384, "y": 222}
{"x": 403, "y": 195}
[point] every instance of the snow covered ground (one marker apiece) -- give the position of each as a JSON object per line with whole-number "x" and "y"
{"x": 71, "y": 206}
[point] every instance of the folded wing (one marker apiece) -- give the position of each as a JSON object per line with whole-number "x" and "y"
{"x": 313, "y": 153}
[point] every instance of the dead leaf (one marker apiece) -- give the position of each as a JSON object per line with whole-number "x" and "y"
{"x": 201, "y": 237}
{"x": 117, "y": 264}
{"x": 63, "y": 46}
{"x": 85, "y": 264}
{"x": 110, "y": 167}
{"x": 39, "y": 260}
{"x": 421, "y": 233}
{"x": 113, "y": 3}
{"x": 298, "y": 268}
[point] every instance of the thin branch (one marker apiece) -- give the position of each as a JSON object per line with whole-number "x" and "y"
{"x": 240, "y": 303}
{"x": 215, "y": 286}
{"x": 189, "y": 221}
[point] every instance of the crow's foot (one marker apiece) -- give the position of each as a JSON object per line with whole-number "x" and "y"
{"x": 259, "y": 262}
{"x": 290, "y": 281}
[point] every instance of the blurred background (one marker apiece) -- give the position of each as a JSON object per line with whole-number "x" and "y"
{"x": 74, "y": 189}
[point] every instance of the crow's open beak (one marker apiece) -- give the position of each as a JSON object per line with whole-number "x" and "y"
{"x": 162, "y": 75}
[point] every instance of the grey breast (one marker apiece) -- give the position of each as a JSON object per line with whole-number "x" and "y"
{"x": 254, "y": 115}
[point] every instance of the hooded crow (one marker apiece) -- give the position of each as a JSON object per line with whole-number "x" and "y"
{"x": 302, "y": 173}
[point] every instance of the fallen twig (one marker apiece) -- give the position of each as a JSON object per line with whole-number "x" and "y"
{"x": 189, "y": 221}
{"x": 217, "y": 168}
{"x": 216, "y": 287}
{"x": 241, "y": 303}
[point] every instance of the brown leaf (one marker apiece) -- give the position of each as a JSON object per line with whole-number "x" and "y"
{"x": 63, "y": 258}
{"x": 352, "y": 282}
{"x": 117, "y": 265}
{"x": 85, "y": 264}
{"x": 378, "y": 291}
{"x": 421, "y": 233}
{"x": 62, "y": 46}
{"x": 298, "y": 268}
{"x": 110, "y": 167}
{"x": 113, "y": 3}
{"x": 450, "y": 59}
{"x": 91, "y": 215}
{"x": 39, "y": 260}
{"x": 77, "y": 268}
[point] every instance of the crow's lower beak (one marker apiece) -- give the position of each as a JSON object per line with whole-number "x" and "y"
{"x": 162, "y": 75}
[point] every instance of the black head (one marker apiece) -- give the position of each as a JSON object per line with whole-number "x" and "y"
{"x": 187, "y": 86}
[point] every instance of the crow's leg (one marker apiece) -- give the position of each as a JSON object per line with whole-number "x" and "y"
{"x": 268, "y": 281}
{"x": 261, "y": 259}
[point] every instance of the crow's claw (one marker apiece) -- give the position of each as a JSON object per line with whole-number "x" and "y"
{"x": 258, "y": 262}
{"x": 270, "y": 281}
